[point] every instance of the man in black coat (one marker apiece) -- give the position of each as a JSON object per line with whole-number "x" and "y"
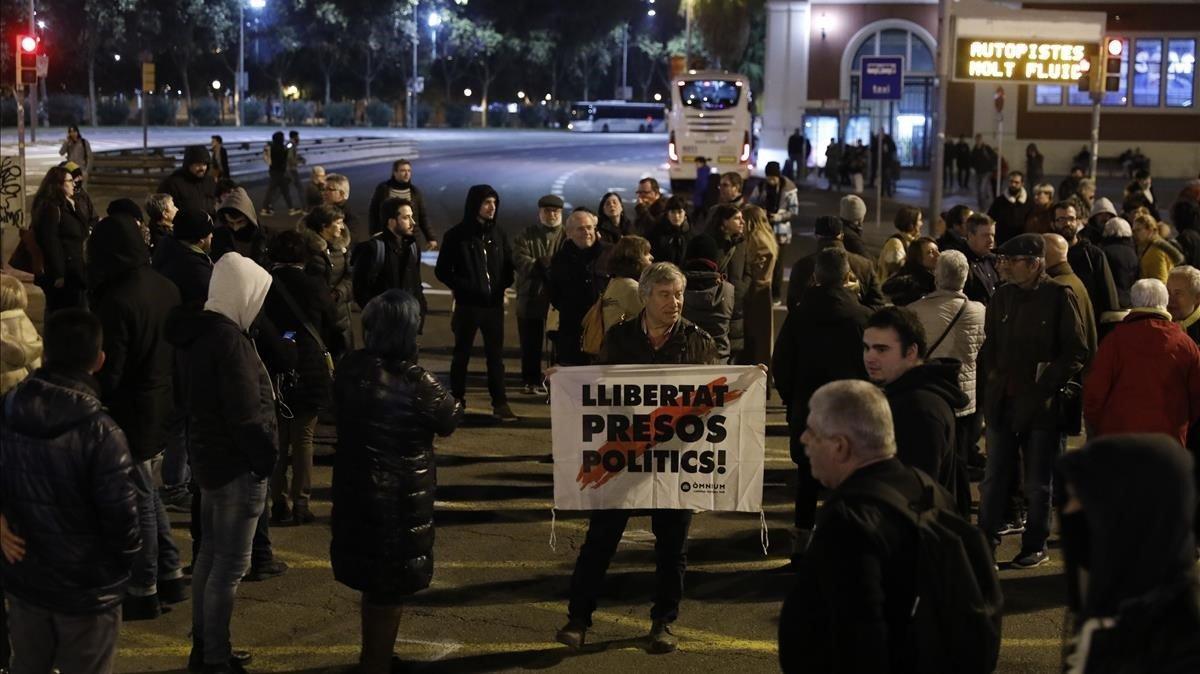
{"x": 238, "y": 230}
{"x": 922, "y": 396}
{"x": 984, "y": 277}
{"x": 390, "y": 258}
{"x": 183, "y": 258}
{"x": 820, "y": 342}
{"x": 862, "y": 280}
{"x": 67, "y": 558}
{"x": 576, "y": 282}
{"x": 190, "y": 185}
{"x": 476, "y": 264}
{"x": 1088, "y": 261}
{"x": 400, "y": 186}
{"x": 1011, "y": 209}
{"x": 133, "y": 301}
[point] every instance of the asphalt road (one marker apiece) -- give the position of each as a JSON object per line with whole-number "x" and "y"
{"x": 499, "y": 591}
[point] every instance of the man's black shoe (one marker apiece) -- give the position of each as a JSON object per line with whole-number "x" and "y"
{"x": 140, "y": 607}
{"x": 172, "y": 591}
{"x": 271, "y": 569}
{"x": 572, "y": 635}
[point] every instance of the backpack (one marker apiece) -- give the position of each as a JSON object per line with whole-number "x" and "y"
{"x": 955, "y": 624}
{"x": 592, "y": 340}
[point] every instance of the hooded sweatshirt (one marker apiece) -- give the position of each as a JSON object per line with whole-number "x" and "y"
{"x": 1139, "y": 600}
{"x": 476, "y": 260}
{"x": 923, "y": 401}
{"x": 248, "y": 241}
{"x": 188, "y": 191}
{"x": 227, "y": 391}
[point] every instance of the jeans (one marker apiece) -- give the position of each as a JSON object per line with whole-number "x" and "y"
{"x": 294, "y": 181}
{"x": 44, "y": 641}
{"x": 1039, "y": 449}
{"x": 967, "y": 430}
{"x": 230, "y": 515}
{"x": 604, "y": 533}
{"x": 465, "y": 322}
{"x": 296, "y": 450}
{"x": 175, "y": 469}
{"x": 159, "y": 556}
{"x": 532, "y": 333}
{"x": 261, "y": 550}
{"x": 278, "y": 183}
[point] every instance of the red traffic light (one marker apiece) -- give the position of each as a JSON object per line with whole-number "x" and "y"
{"x": 27, "y": 43}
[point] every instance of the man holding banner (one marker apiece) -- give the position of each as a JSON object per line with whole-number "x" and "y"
{"x": 667, "y": 440}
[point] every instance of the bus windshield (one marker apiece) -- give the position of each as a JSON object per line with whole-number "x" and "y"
{"x": 710, "y": 94}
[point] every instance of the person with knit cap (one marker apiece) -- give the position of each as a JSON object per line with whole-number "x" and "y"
{"x": 708, "y": 298}
{"x": 853, "y": 211}
{"x": 190, "y": 185}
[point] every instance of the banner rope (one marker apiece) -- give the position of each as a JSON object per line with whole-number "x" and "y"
{"x": 553, "y": 538}
{"x": 765, "y": 538}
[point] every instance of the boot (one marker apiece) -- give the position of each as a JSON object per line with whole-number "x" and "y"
{"x": 661, "y": 639}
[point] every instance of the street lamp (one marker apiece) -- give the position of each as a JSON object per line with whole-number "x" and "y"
{"x": 239, "y": 85}
{"x": 216, "y": 85}
{"x": 467, "y": 93}
{"x": 434, "y": 21}
{"x": 117, "y": 57}
{"x": 658, "y": 97}
{"x": 521, "y": 95}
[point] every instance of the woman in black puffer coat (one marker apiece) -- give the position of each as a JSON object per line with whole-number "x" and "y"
{"x": 384, "y": 473}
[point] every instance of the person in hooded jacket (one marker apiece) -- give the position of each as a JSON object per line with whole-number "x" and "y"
{"x": 820, "y": 342}
{"x": 400, "y": 186}
{"x": 328, "y": 241}
{"x": 190, "y": 185}
{"x": 276, "y": 154}
{"x": 708, "y": 297}
{"x": 1132, "y": 596}
{"x": 133, "y": 301}
{"x": 915, "y": 279}
{"x": 66, "y": 559}
{"x": 232, "y": 444}
{"x": 384, "y": 473}
{"x": 612, "y": 223}
{"x": 576, "y": 282}
{"x": 299, "y": 304}
{"x": 238, "y": 229}
{"x": 476, "y": 264}
{"x": 60, "y": 230}
{"x": 669, "y": 240}
{"x": 1122, "y": 258}
{"x": 923, "y": 394}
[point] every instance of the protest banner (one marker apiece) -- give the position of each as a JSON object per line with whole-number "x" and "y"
{"x": 678, "y": 436}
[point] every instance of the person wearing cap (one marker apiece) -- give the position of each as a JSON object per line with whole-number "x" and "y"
{"x": 190, "y": 185}
{"x": 1011, "y": 208}
{"x": 1121, "y": 256}
{"x": 650, "y": 207}
{"x": 1087, "y": 260}
{"x": 1034, "y": 343}
{"x": 708, "y": 299}
{"x": 1040, "y": 219}
{"x": 237, "y": 229}
{"x": 862, "y": 280}
{"x": 853, "y": 211}
{"x": 182, "y": 256}
{"x": 533, "y": 251}
{"x": 1102, "y": 211}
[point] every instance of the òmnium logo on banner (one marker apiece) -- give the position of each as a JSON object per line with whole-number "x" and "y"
{"x": 634, "y": 436}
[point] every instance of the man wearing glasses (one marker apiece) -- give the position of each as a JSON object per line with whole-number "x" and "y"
{"x": 1034, "y": 344}
{"x": 651, "y": 207}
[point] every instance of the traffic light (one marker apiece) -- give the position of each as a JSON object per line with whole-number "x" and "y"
{"x": 28, "y": 48}
{"x": 1115, "y": 47}
{"x": 1085, "y": 77}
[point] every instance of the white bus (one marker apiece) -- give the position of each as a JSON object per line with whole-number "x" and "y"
{"x": 616, "y": 116}
{"x": 710, "y": 117}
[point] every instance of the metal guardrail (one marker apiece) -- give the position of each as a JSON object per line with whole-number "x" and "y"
{"x": 147, "y": 168}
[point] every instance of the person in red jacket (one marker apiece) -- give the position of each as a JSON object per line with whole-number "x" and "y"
{"x": 1146, "y": 375}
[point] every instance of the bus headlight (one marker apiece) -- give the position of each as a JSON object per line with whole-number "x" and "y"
{"x": 745, "y": 148}
{"x": 672, "y": 154}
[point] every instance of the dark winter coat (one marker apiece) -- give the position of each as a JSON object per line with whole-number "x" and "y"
{"x": 855, "y": 585}
{"x": 1123, "y": 264}
{"x": 383, "y": 191}
{"x": 384, "y": 473}
{"x": 923, "y": 402}
{"x": 475, "y": 261}
{"x": 186, "y": 266}
{"x": 611, "y": 231}
{"x": 735, "y": 265}
{"x": 314, "y": 389}
{"x": 1188, "y": 241}
{"x": 576, "y": 283}
{"x": 190, "y": 192}
{"x": 669, "y": 243}
{"x": 132, "y": 302}
{"x": 1010, "y": 214}
{"x": 820, "y": 342}
{"x": 331, "y": 263}
{"x": 952, "y": 240}
{"x": 627, "y": 344}
{"x": 863, "y": 282}
{"x": 250, "y": 241}
{"x": 983, "y": 279}
{"x": 1091, "y": 266}
{"x": 401, "y": 268}
{"x": 852, "y": 238}
{"x": 909, "y": 285}
{"x": 649, "y": 217}
{"x": 708, "y": 302}
{"x": 1028, "y": 331}
{"x": 66, "y": 488}
{"x": 61, "y": 229}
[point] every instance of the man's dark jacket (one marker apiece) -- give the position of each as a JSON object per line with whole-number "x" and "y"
{"x": 869, "y": 292}
{"x": 65, "y": 487}
{"x": 401, "y": 267}
{"x": 1010, "y": 217}
{"x": 983, "y": 279}
{"x": 923, "y": 401}
{"x": 627, "y": 344}
{"x": 375, "y": 220}
{"x": 820, "y": 342}
{"x": 132, "y": 302}
{"x": 575, "y": 283}
{"x": 475, "y": 261}
{"x": 190, "y": 192}
{"x": 669, "y": 243}
{"x": 1090, "y": 264}
{"x": 189, "y": 268}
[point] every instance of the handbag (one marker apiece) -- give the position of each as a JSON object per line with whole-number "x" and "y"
{"x": 308, "y": 327}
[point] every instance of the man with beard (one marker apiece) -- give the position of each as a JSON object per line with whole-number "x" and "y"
{"x": 533, "y": 252}
{"x": 1010, "y": 209}
{"x": 400, "y": 186}
{"x": 190, "y": 185}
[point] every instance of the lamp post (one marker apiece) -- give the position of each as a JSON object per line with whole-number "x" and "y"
{"x": 241, "y": 69}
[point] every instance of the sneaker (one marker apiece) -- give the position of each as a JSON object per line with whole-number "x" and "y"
{"x": 260, "y": 572}
{"x": 295, "y": 211}
{"x": 172, "y": 591}
{"x": 280, "y": 513}
{"x": 195, "y": 664}
{"x": 266, "y": 211}
{"x": 176, "y": 500}
{"x": 540, "y": 390}
{"x": 572, "y": 635}
{"x": 503, "y": 412}
{"x": 303, "y": 515}
{"x": 661, "y": 639}
{"x": 1029, "y": 560}
{"x": 1010, "y": 528}
{"x": 135, "y": 607}
{"x": 529, "y": 390}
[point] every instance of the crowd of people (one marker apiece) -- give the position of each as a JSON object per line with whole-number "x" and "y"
{"x": 187, "y": 357}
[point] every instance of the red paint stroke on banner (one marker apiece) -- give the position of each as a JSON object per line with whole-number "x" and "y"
{"x": 598, "y": 476}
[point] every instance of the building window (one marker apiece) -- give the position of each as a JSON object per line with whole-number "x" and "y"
{"x": 1147, "y": 72}
{"x": 1181, "y": 64}
{"x": 1047, "y": 94}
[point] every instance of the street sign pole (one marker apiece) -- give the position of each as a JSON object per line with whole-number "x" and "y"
{"x": 939, "y": 120}
{"x": 19, "y": 95}
{"x": 882, "y": 80}
{"x": 1096, "y": 98}
{"x": 998, "y": 100}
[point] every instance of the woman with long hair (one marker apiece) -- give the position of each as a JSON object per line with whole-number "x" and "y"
{"x": 915, "y": 279}
{"x": 762, "y": 254}
{"x": 60, "y": 230}
{"x": 612, "y": 222}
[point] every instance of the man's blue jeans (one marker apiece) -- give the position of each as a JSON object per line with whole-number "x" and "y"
{"x": 159, "y": 556}
{"x": 1039, "y": 449}
{"x": 230, "y": 515}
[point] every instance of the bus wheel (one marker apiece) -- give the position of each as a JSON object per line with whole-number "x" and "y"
{"x": 604, "y": 128}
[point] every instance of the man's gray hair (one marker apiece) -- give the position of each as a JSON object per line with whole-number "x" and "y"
{"x": 1149, "y": 293}
{"x": 338, "y": 181}
{"x": 579, "y": 217}
{"x": 658, "y": 274}
{"x": 1117, "y": 228}
{"x": 1190, "y": 273}
{"x": 952, "y": 270}
{"x": 858, "y": 411}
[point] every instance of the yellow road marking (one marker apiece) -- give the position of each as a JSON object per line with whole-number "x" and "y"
{"x": 304, "y": 562}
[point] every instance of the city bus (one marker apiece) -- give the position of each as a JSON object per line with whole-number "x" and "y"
{"x": 710, "y": 117}
{"x": 617, "y": 116}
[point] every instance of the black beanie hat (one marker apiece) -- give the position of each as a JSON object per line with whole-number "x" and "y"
{"x": 192, "y": 224}
{"x": 195, "y": 154}
{"x": 128, "y": 208}
{"x": 703, "y": 247}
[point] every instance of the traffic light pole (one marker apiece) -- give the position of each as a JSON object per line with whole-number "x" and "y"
{"x": 17, "y": 94}
{"x": 1096, "y": 98}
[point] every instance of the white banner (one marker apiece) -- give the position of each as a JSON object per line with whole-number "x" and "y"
{"x": 665, "y": 436}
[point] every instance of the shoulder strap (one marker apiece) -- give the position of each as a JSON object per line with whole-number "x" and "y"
{"x": 291, "y": 302}
{"x": 962, "y": 307}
